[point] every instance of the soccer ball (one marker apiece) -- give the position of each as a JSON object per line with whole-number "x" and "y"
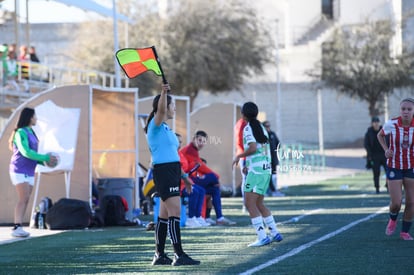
{"x": 52, "y": 164}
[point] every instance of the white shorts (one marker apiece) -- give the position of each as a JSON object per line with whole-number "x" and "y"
{"x": 21, "y": 178}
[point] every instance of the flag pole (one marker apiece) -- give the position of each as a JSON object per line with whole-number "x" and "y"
{"x": 164, "y": 80}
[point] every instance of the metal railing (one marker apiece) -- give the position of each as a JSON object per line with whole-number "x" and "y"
{"x": 34, "y": 77}
{"x": 63, "y": 76}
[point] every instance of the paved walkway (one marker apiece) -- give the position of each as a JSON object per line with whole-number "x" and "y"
{"x": 339, "y": 162}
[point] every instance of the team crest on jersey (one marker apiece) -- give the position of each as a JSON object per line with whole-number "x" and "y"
{"x": 405, "y": 144}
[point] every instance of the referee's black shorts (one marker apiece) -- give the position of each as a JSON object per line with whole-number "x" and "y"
{"x": 167, "y": 178}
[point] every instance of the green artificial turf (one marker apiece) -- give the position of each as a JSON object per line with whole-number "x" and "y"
{"x": 321, "y": 240}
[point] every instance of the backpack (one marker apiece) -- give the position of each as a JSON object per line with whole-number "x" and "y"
{"x": 41, "y": 210}
{"x": 69, "y": 214}
{"x": 113, "y": 209}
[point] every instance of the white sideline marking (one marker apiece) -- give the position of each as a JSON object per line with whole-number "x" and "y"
{"x": 312, "y": 243}
{"x": 297, "y": 218}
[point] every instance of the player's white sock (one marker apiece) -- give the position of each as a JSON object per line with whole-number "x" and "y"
{"x": 259, "y": 227}
{"x": 270, "y": 223}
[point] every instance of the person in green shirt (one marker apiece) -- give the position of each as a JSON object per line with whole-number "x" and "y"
{"x": 24, "y": 144}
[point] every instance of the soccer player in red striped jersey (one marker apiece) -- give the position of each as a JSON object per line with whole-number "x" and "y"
{"x": 400, "y": 166}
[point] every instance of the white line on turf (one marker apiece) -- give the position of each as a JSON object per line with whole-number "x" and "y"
{"x": 312, "y": 243}
{"x": 297, "y": 218}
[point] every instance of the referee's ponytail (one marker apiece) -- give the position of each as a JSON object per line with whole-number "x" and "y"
{"x": 250, "y": 111}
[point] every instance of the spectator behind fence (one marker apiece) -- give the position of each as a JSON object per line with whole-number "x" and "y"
{"x": 375, "y": 154}
{"x": 11, "y": 48}
{"x": 400, "y": 166}
{"x": 206, "y": 177}
{"x": 3, "y": 58}
{"x": 33, "y": 55}
{"x": 11, "y": 71}
{"x": 24, "y": 59}
{"x": 274, "y": 144}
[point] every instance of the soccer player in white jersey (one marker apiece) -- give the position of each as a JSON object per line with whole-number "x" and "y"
{"x": 258, "y": 163}
{"x": 400, "y": 166}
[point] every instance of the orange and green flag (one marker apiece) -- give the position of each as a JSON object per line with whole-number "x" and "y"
{"x": 137, "y": 61}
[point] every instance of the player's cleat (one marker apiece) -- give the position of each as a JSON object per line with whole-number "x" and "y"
{"x": 261, "y": 242}
{"x": 162, "y": 259}
{"x": 277, "y": 238}
{"x": 18, "y": 232}
{"x": 390, "y": 227}
{"x": 184, "y": 260}
{"x": 406, "y": 236}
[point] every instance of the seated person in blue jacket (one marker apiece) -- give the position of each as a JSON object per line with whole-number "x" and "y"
{"x": 196, "y": 198}
{"x": 206, "y": 177}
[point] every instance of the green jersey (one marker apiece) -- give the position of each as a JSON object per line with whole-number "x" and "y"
{"x": 260, "y": 161}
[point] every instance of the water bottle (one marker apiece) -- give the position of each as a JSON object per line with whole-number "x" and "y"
{"x": 136, "y": 212}
{"x": 40, "y": 221}
{"x": 42, "y": 207}
{"x": 183, "y": 216}
{"x": 135, "y": 216}
{"x": 33, "y": 219}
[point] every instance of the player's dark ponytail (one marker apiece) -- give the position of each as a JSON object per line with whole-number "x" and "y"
{"x": 250, "y": 111}
{"x": 25, "y": 117}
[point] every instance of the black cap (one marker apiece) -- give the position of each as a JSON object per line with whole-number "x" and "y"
{"x": 375, "y": 119}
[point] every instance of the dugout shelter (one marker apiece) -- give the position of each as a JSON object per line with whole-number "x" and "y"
{"x": 106, "y": 145}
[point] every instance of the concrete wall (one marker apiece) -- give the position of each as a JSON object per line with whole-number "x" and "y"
{"x": 298, "y": 96}
{"x": 356, "y": 11}
{"x": 345, "y": 119}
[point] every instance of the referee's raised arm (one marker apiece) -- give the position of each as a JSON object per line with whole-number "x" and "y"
{"x": 162, "y": 105}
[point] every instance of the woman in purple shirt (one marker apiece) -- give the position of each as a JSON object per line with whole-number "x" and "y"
{"x": 23, "y": 142}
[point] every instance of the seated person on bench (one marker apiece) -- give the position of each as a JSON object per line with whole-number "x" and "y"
{"x": 206, "y": 178}
{"x": 196, "y": 198}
